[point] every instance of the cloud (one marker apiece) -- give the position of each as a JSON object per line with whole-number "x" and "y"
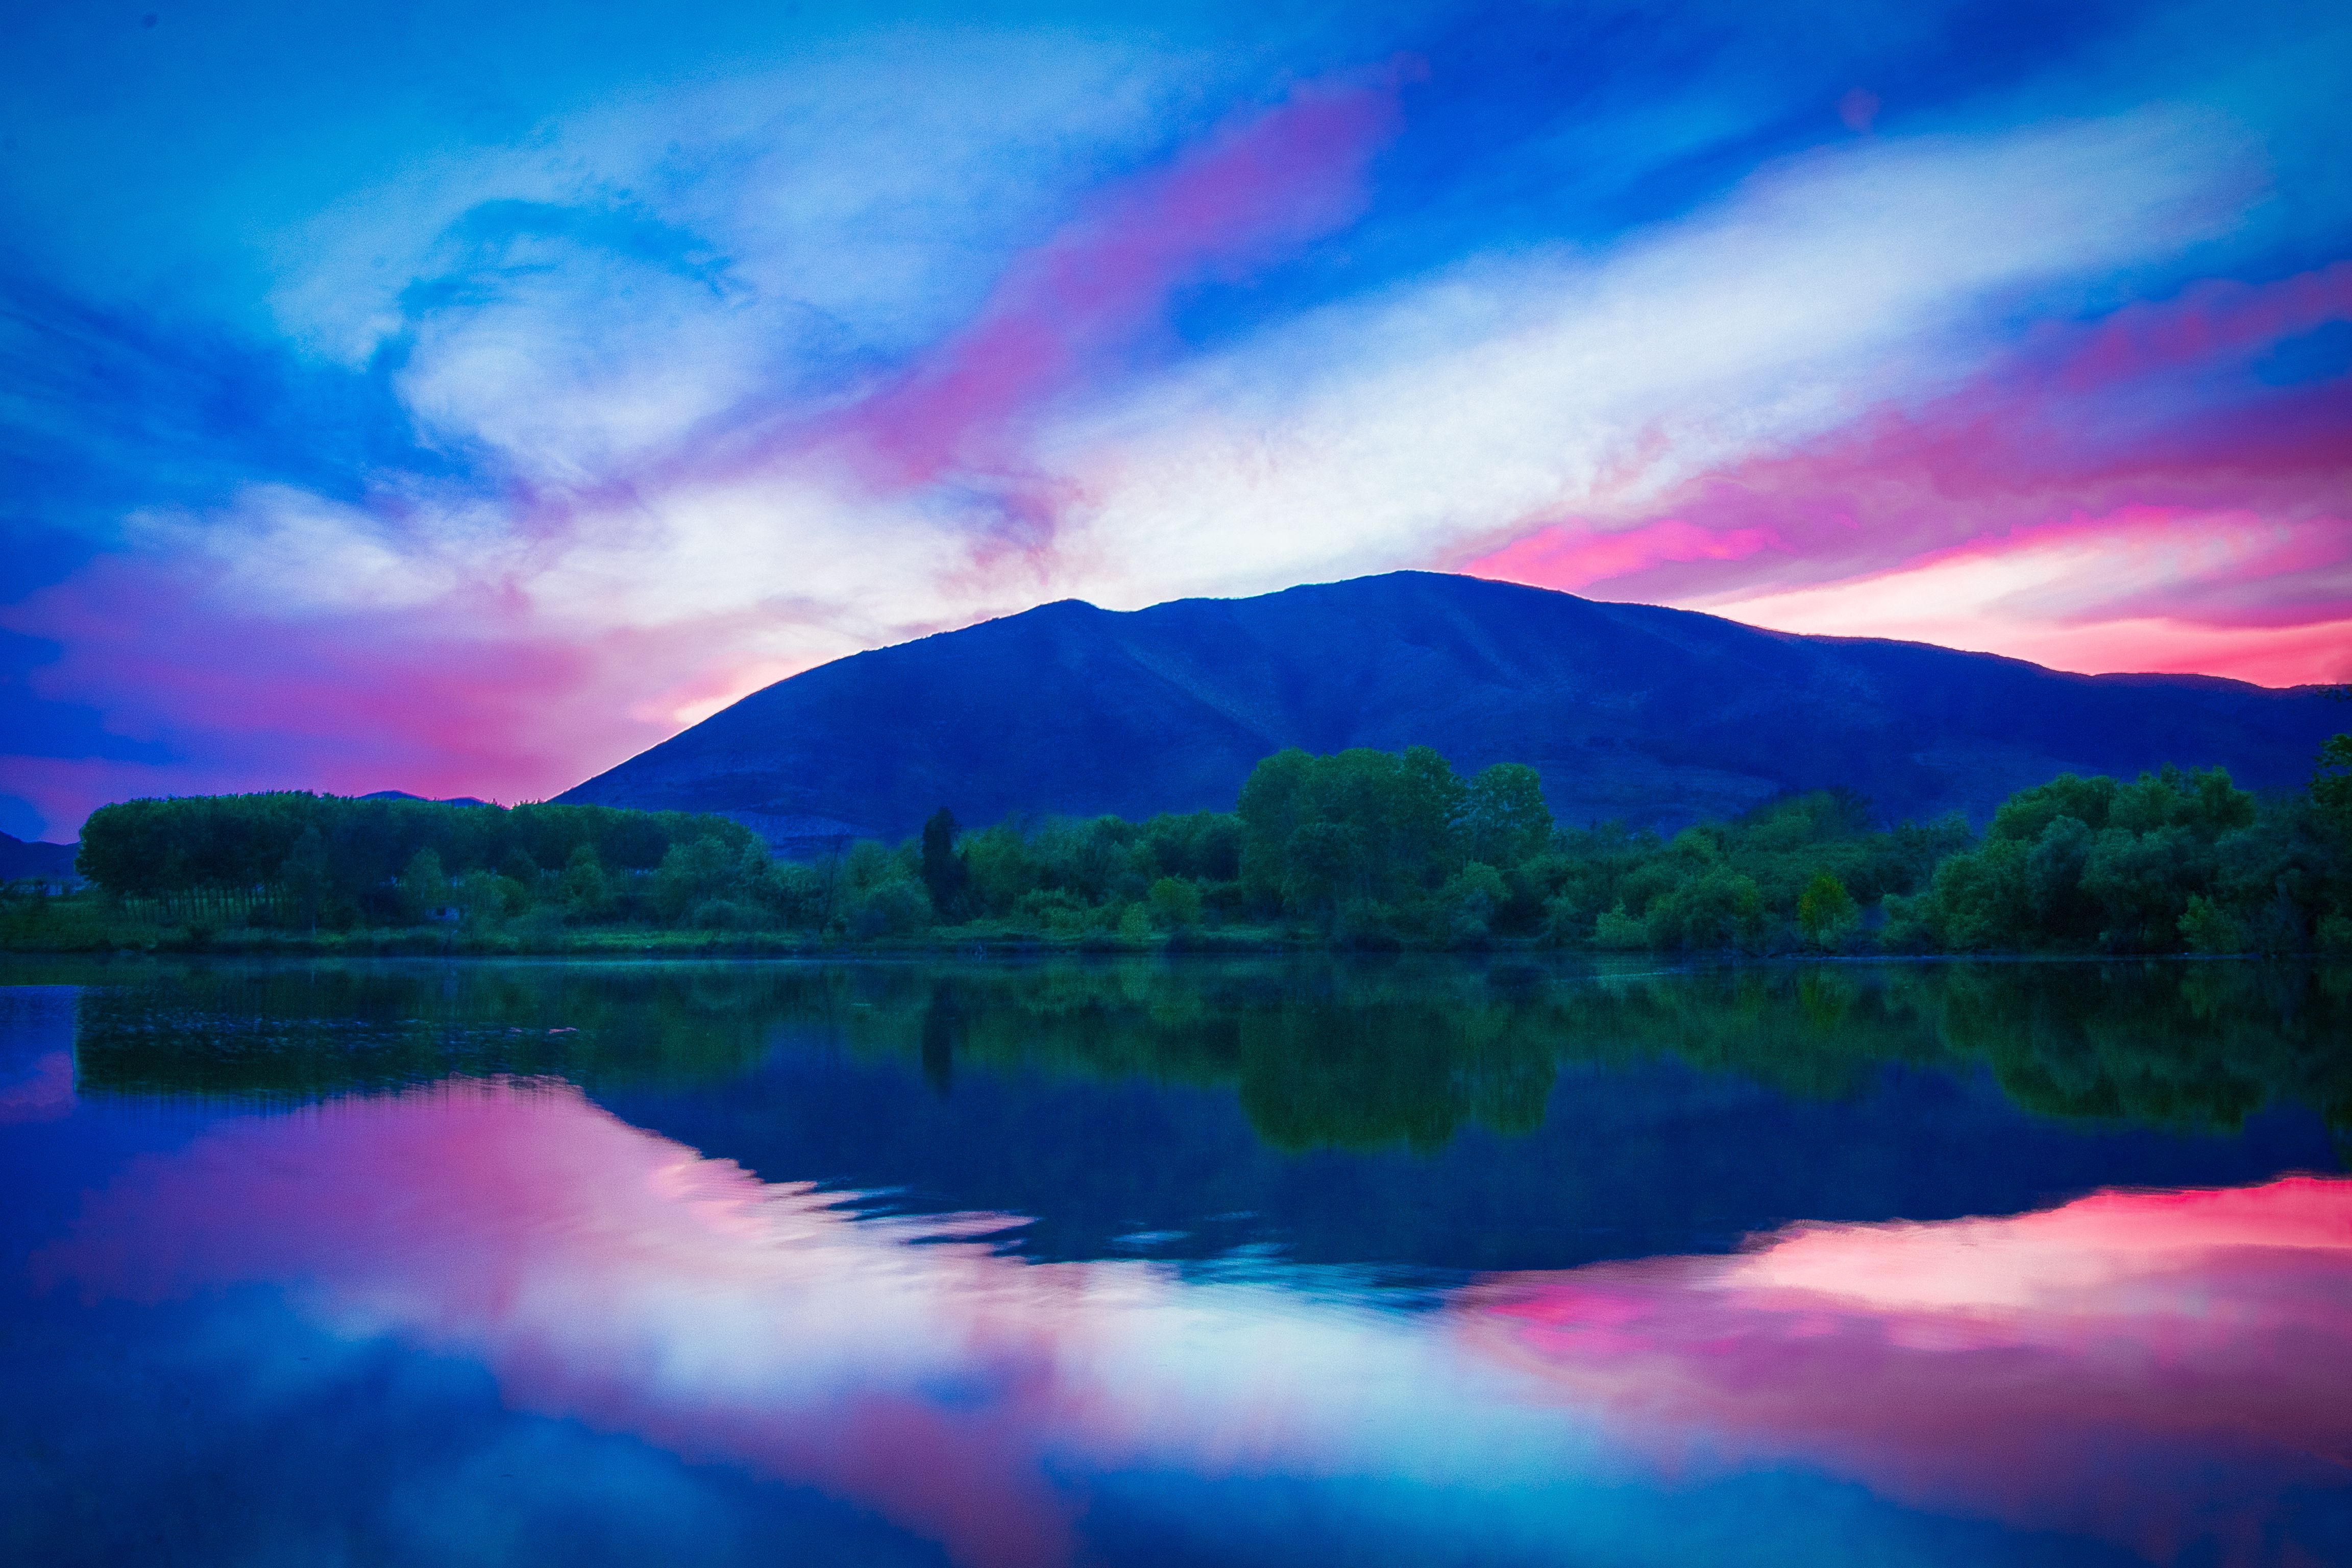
{"x": 670, "y": 536}
{"x": 2143, "y": 589}
{"x": 575, "y": 438}
{"x": 875, "y": 184}
{"x": 1257, "y": 192}
{"x": 2124, "y": 490}
{"x": 1517, "y": 390}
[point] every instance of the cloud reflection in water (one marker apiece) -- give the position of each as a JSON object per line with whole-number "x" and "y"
{"x": 2146, "y": 1368}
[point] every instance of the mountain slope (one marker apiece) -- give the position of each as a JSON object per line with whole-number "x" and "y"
{"x": 1629, "y": 711}
{"x": 23, "y": 857}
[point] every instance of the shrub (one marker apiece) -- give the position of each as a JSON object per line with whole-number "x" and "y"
{"x": 2208, "y": 928}
{"x": 1614, "y": 930}
{"x": 724, "y": 914}
{"x": 1175, "y": 903}
{"x": 893, "y": 908}
{"x": 1825, "y": 911}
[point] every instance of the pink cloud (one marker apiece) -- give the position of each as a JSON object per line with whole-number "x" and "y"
{"x": 2146, "y": 589}
{"x": 1260, "y": 190}
{"x": 468, "y": 692}
{"x": 464, "y": 695}
{"x": 1564, "y": 556}
{"x": 1060, "y": 313}
{"x": 1858, "y": 108}
{"x": 2209, "y": 324}
{"x": 2082, "y": 431}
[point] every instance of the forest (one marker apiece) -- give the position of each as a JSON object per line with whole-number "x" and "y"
{"x": 1363, "y": 850}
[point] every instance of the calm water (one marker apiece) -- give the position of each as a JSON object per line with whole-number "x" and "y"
{"x": 1161, "y": 1264}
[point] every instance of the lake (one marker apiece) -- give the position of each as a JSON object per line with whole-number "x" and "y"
{"x": 1174, "y": 1262}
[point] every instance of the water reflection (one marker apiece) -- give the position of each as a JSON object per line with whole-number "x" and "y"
{"x": 2155, "y": 1369}
{"x": 1319, "y": 1054}
{"x": 2158, "y": 1370}
{"x": 37, "y": 1057}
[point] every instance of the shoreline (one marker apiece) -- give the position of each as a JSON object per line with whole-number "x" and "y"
{"x": 655, "y": 944}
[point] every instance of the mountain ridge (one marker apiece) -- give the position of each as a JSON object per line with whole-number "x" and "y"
{"x": 36, "y": 857}
{"x": 1654, "y": 715}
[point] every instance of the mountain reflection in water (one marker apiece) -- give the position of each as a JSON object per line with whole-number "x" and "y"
{"x": 1176, "y": 1264}
{"x": 2147, "y": 1368}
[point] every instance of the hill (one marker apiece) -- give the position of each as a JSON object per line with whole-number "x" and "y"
{"x": 52, "y": 862}
{"x": 1652, "y": 715}
{"x": 427, "y": 800}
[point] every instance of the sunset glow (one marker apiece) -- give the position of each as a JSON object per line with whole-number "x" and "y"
{"x": 383, "y": 414}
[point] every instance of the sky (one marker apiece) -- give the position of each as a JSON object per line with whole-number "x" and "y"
{"x": 461, "y": 399}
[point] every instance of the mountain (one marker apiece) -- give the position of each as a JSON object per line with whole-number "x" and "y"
{"x": 427, "y": 800}
{"x": 1652, "y": 715}
{"x": 52, "y": 862}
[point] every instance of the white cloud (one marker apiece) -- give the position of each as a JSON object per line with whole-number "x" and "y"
{"x": 1383, "y": 432}
{"x": 580, "y": 360}
{"x": 1399, "y": 429}
{"x": 276, "y": 551}
{"x": 877, "y": 186}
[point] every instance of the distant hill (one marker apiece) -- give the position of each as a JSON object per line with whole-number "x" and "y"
{"x": 1652, "y": 715}
{"x": 54, "y": 862}
{"x": 428, "y": 800}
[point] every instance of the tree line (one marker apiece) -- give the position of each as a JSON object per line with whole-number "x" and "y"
{"x": 1363, "y": 850}
{"x": 290, "y": 858}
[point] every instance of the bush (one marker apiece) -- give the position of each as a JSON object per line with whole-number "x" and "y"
{"x": 724, "y": 914}
{"x": 2334, "y": 936}
{"x": 1825, "y": 911}
{"x": 1469, "y": 900}
{"x": 2208, "y": 928}
{"x": 1051, "y": 910}
{"x": 1175, "y": 903}
{"x": 894, "y": 908}
{"x": 1718, "y": 909}
{"x": 1614, "y": 930}
{"x": 1909, "y": 924}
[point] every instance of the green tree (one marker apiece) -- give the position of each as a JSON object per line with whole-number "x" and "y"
{"x": 2053, "y": 880}
{"x": 1825, "y": 911}
{"x": 1470, "y": 901}
{"x": 1175, "y": 903}
{"x": 1430, "y": 801}
{"x": 699, "y": 870}
{"x": 894, "y": 907}
{"x": 2027, "y": 813}
{"x": 585, "y": 886}
{"x": 423, "y": 885}
{"x": 2331, "y": 783}
{"x": 943, "y": 869}
{"x": 1979, "y": 898}
{"x": 1718, "y": 909}
{"x": 1614, "y": 930}
{"x": 486, "y": 896}
{"x": 307, "y": 876}
{"x": 1503, "y": 816}
{"x": 2206, "y": 927}
{"x": 1274, "y": 803}
{"x": 1323, "y": 860}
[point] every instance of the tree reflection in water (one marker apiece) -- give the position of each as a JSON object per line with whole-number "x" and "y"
{"x": 1322, "y": 1054}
